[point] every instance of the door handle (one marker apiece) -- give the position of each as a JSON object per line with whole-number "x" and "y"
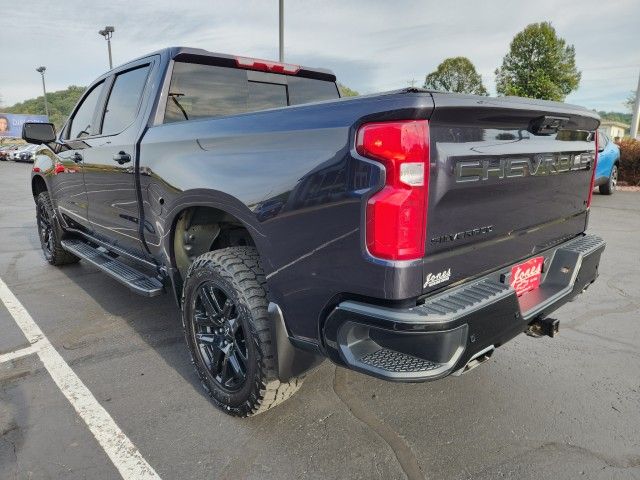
{"x": 76, "y": 157}
{"x": 121, "y": 157}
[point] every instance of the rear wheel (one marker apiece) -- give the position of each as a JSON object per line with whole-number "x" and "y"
{"x": 50, "y": 233}
{"x": 224, "y": 313}
{"x": 610, "y": 187}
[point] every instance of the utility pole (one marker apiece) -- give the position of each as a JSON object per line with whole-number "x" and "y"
{"x": 41, "y": 70}
{"x": 107, "y": 33}
{"x": 636, "y": 113}
{"x": 281, "y": 47}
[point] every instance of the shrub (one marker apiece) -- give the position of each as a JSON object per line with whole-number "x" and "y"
{"x": 629, "y": 161}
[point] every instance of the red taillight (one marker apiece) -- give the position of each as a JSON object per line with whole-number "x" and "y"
{"x": 266, "y": 66}
{"x": 397, "y": 214}
{"x": 593, "y": 174}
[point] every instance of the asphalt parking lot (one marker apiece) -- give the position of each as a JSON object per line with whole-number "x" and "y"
{"x": 541, "y": 408}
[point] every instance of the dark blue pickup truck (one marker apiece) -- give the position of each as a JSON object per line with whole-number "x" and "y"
{"x": 404, "y": 235}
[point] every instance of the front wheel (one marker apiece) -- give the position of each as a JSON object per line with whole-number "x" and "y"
{"x": 224, "y": 314}
{"x": 610, "y": 187}
{"x": 50, "y": 233}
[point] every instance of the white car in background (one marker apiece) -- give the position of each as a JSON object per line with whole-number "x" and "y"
{"x": 15, "y": 155}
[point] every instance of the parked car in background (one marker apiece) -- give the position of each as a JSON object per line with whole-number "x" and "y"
{"x": 6, "y": 151}
{"x": 608, "y": 164}
{"x": 15, "y": 154}
{"x": 26, "y": 154}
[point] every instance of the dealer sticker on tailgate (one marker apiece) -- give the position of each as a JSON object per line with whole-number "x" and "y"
{"x": 526, "y": 276}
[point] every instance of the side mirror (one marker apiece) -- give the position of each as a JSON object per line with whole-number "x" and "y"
{"x": 38, "y": 133}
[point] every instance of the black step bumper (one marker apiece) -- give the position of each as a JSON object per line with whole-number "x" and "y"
{"x": 456, "y": 327}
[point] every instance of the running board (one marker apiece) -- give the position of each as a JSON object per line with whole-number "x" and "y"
{"x": 137, "y": 281}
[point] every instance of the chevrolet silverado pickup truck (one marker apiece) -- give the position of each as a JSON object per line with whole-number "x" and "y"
{"x": 405, "y": 235}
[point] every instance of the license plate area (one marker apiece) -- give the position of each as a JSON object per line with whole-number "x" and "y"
{"x": 526, "y": 276}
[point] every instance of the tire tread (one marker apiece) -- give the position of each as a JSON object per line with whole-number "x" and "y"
{"x": 240, "y": 266}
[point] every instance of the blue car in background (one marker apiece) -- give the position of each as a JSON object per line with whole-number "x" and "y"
{"x": 608, "y": 164}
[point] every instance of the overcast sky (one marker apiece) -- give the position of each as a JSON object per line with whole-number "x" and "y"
{"x": 370, "y": 45}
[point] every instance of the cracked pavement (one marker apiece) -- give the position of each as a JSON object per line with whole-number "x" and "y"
{"x": 541, "y": 408}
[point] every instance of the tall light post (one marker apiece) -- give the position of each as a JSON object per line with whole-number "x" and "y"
{"x": 635, "y": 119}
{"x": 41, "y": 71}
{"x": 281, "y": 25}
{"x": 107, "y": 33}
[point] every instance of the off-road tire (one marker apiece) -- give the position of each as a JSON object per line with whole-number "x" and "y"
{"x": 238, "y": 271}
{"x": 610, "y": 187}
{"x": 52, "y": 250}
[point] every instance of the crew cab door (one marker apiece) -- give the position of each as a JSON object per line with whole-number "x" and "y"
{"x": 68, "y": 190}
{"x": 109, "y": 165}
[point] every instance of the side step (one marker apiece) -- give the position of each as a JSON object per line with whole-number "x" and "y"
{"x": 137, "y": 281}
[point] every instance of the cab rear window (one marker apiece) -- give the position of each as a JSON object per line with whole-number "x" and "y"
{"x": 203, "y": 91}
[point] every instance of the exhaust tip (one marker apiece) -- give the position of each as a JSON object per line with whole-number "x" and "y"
{"x": 479, "y": 358}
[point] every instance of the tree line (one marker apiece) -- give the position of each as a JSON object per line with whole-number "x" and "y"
{"x": 60, "y": 105}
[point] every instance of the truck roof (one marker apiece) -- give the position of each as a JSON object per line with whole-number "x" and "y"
{"x": 199, "y": 55}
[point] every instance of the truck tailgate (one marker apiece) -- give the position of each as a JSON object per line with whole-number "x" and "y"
{"x": 509, "y": 177}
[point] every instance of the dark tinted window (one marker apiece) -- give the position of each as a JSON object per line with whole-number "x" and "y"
{"x": 306, "y": 90}
{"x": 81, "y": 124}
{"x": 266, "y": 95}
{"x": 199, "y": 91}
{"x": 124, "y": 99}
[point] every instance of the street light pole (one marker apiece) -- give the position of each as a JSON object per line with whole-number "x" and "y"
{"x": 41, "y": 71}
{"x": 107, "y": 33}
{"x": 281, "y": 24}
{"x": 636, "y": 113}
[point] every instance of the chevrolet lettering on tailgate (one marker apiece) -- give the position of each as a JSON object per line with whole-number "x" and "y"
{"x": 547, "y": 164}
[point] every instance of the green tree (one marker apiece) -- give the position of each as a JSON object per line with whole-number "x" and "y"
{"x": 539, "y": 65}
{"x": 631, "y": 101}
{"x": 456, "y": 74}
{"x": 346, "y": 91}
{"x": 60, "y": 105}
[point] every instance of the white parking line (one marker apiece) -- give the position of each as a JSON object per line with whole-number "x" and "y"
{"x": 23, "y": 352}
{"x": 122, "y": 452}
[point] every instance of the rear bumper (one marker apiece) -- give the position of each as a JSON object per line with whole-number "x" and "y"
{"x": 452, "y": 328}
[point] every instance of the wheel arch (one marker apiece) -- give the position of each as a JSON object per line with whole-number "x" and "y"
{"x": 38, "y": 185}
{"x": 202, "y": 226}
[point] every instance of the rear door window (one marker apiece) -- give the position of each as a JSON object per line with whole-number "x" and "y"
{"x": 124, "y": 99}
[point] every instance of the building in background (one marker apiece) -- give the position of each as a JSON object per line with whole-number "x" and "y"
{"x": 11, "y": 123}
{"x": 614, "y": 129}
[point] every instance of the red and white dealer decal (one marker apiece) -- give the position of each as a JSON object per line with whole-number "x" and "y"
{"x": 526, "y": 276}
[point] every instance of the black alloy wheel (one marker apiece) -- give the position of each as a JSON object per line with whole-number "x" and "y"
{"x": 220, "y": 336}
{"x": 45, "y": 230}
{"x": 50, "y": 233}
{"x": 229, "y": 332}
